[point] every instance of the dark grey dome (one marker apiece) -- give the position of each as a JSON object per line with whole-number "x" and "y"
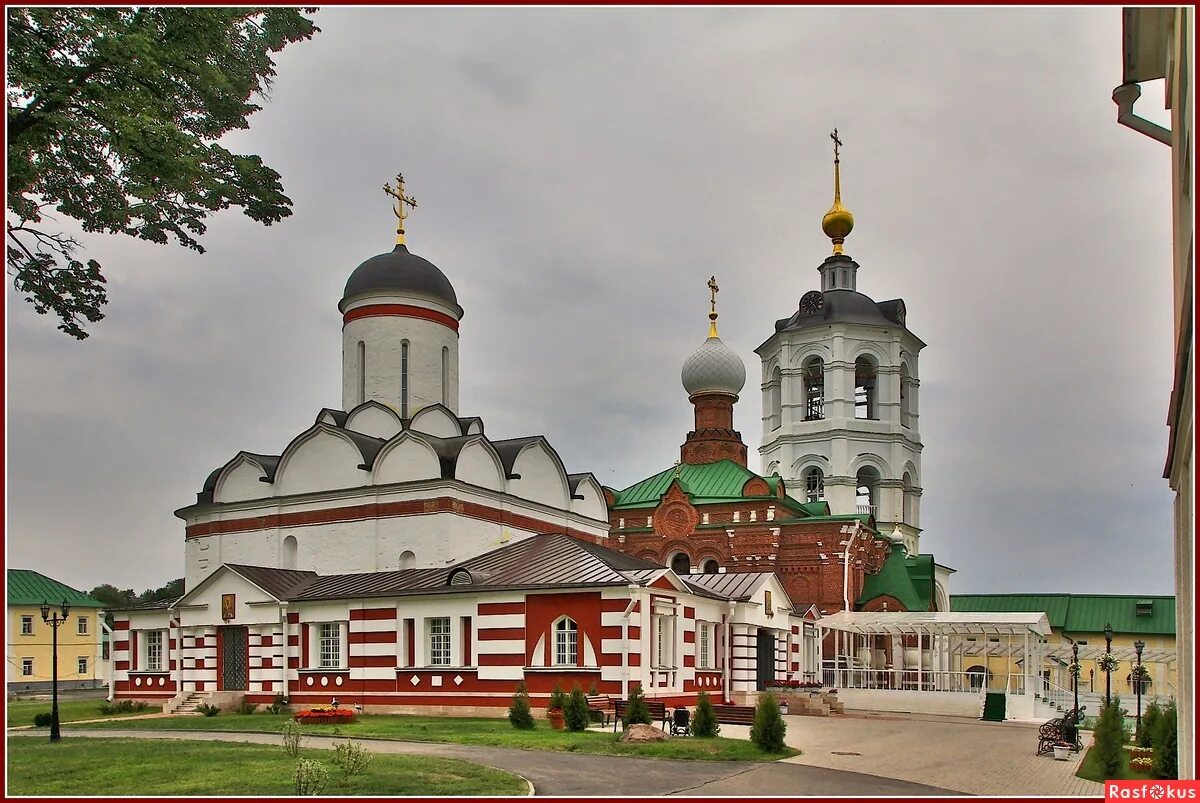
{"x": 849, "y": 306}
{"x": 402, "y": 272}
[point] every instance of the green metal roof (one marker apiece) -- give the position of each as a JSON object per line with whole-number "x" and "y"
{"x": 894, "y": 580}
{"x": 27, "y": 587}
{"x": 1081, "y": 613}
{"x": 707, "y": 483}
{"x": 815, "y": 508}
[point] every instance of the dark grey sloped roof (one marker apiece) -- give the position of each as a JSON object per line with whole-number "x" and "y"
{"x": 269, "y": 463}
{"x": 847, "y": 306}
{"x": 372, "y": 584}
{"x": 279, "y": 583}
{"x": 448, "y": 450}
{"x": 509, "y": 449}
{"x": 731, "y": 585}
{"x": 465, "y": 423}
{"x": 573, "y": 481}
{"x": 400, "y": 271}
{"x": 339, "y": 416}
{"x": 367, "y": 445}
{"x": 156, "y": 604}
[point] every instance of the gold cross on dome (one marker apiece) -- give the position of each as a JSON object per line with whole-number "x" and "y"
{"x": 712, "y": 314}
{"x": 837, "y": 143}
{"x": 398, "y": 209}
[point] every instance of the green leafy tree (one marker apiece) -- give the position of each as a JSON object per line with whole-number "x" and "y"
{"x": 558, "y": 699}
{"x": 769, "y": 728}
{"x": 520, "y": 713}
{"x": 1110, "y": 739}
{"x": 1149, "y": 724}
{"x": 637, "y": 711}
{"x": 1166, "y": 744}
{"x": 172, "y": 590}
{"x": 705, "y": 721}
{"x": 575, "y": 712}
{"x": 114, "y": 117}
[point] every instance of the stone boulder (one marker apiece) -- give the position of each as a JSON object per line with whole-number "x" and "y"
{"x": 643, "y": 733}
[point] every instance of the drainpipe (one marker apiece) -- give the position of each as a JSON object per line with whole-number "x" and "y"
{"x": 625, "y": 645}
{"x": 1125, "y": 96}
{"x": 177, "y": 675}
{"x": 729, "y": 653}
{"x": 283, "y": 670}
{"x": 846, "y": 563}
{"x": 112, "y": 648}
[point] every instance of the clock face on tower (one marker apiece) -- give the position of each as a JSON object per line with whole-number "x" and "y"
{"x": 812, "y": 302}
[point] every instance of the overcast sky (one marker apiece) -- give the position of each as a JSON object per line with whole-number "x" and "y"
{"x": 581, "y": 173}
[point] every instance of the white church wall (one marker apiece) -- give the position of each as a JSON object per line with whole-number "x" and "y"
{"x": 383, "y": 337}
{"x": 478, "y": 465}
{"x": 435, "y": 421}
{"x": 406, "y": 459}
{"x": 318, "y": 461}
{"x": 541, "y": 477}
{"x": 240, "y": 482}
{"x": 592, "y": 504}
{"x": 374, "y": 419}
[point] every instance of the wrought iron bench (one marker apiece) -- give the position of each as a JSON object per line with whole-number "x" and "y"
{"x": 657, "y": 709}
{"x": 1065, "y": 729}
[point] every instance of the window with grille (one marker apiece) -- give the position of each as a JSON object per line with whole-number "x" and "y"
{"x": 704, "y": 645}
{"x": 26, "y": 625}
{"x": 439, "y": 641}
{"x": 26, "y": 667}
{"x": 814, "y": 485}
{"x": 82, "y": 666}
{"x": 154, "y": 651}
{"x": 81, "y": 626}
{"x": 566, "y": 642}
{"x": 814, "y": 391}
{"x": 330, "y": 646}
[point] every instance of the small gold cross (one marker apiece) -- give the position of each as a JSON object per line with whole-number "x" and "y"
{"x": 837, "y": 143}
{"x": 398, "y": 209}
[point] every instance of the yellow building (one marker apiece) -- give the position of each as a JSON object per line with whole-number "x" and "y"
{"x": 80, "y": 658}
{"x": 1158, "y": 44}
{"x": 1080, "y": 619}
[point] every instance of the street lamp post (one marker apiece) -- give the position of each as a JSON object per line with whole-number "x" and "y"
{"x": 1107, "y": 673}
{"x": 1138, "y": 646}
{"x": 53, "y": 619}
{"x": 1075, "y": 673}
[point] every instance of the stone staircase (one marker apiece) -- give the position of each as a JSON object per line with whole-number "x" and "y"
{"x": 815, "y": 704}
{"x": 187, "y": 703}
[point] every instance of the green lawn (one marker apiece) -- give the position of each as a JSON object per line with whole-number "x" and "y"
{"x": 20, "y": 712}
{"x": 144, "y": 767}
{"x": 1090, "y": 769}
{"x": 491, "y": 732}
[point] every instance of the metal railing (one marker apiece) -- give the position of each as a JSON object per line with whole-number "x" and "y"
{"x": 934, "y": 680}
{"x": 872, "y": 509}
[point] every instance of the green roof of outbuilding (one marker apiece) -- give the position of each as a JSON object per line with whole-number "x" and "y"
{"x": 1081, "y": 613}
{"x": 27, "y": 587}
{"x": 707, "y": 483}
{"x": 895, "y": 579}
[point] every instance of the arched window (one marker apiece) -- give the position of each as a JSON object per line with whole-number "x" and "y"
{"x": 775, "y": 392}
{"x": 710, "y": 566}
{"x": 814, "y": 485}
{"x": 814, "y": 389}
{"x": 566, "y": 642}
{"x": 289, "y": 552}
{"x": 407, "y": 559}
{"x": 867, "y": 491}
{"x": 978, "y": 676}
{"x": 905, "y": 380}
{"x": 1146, "y": 682}
{"x": 362, "y": 372}
{"x": 908, "y": 500}
{"x": 865, "y": 404}
{"x": 446, "y": 375}
{"x": 681, "y": 563}
{"x": 404, "y": 379}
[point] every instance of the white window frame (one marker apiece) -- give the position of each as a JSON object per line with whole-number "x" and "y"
{"x": 438, "y": 641}
{"x": 81, "y": 665}
{"x": 153, "y": 639}
{"x": 704, "y": 645}
{"x": 26, "y": 664}
{"x": 24, "y": 621}
{"x": 566, "y": 642}
{"x": 664, "y": 642}
{"x": 329, "y": 645}
{"x": 81, "y": 626}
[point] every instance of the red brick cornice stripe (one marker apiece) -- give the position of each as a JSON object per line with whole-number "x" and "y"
{"x": 401, "y": 310}
{"x": 383, "y": 510}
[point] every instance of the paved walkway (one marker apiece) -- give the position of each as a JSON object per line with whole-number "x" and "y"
{"x": 967, "y": 755}
{"x": 578, "y": 775}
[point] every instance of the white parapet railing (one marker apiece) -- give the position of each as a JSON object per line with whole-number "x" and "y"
{"x": 932, "y": 680}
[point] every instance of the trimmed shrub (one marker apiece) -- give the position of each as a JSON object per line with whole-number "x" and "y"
{"x": 1149, "y": 724}
{"x": 705, "y": 721}
{"x": 520, "y": 713}
{"x": 636, "y": 712}
{"x": 1166, "y": 744}
{"x": 351, "y": 757}
{"x": 1110, "y": 739}
{"x": 43, "y": 720}
{"x": 558, "y": 699}
{"x": 769, "y": 728}
{"x": 575, "y": 712}
{"x": 310, "y": 777}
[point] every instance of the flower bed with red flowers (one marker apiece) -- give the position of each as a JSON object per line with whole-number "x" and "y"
{"x": 794, "y": 684}
{"x": 325, "y": 716}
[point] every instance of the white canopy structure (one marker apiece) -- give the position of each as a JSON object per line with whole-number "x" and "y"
{"x": 948, "y": 623}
